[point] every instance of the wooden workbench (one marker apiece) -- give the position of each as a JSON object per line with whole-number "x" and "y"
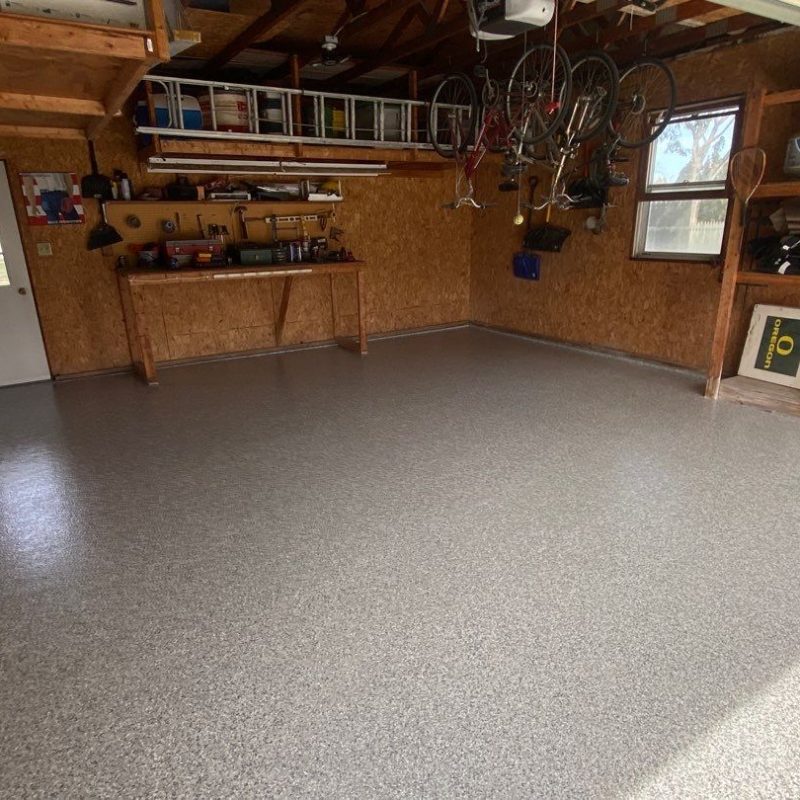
{"x": 132, "y": 282}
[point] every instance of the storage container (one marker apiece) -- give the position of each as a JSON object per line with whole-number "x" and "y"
{"x": 192, "y": 116}
{"x": 270, "y": 113}
{"x": 231, "y": 112}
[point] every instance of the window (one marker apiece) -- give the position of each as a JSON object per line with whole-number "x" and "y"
{"x": 683, "y": 203}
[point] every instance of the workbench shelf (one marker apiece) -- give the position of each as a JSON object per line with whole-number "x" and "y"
{"x": 738, "y": 388}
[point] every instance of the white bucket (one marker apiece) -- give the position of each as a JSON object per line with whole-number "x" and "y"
{"x": 231, "y": 111}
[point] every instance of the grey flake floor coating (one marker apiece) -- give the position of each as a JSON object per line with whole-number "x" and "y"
{"x": 467, "y": 566}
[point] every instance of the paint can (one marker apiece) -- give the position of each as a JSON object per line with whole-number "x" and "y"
{"x": 231, "y": 109}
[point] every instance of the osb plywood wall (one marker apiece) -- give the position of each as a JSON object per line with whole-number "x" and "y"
{"x": 394, "y": 224}
{"x": 592, "y": 292}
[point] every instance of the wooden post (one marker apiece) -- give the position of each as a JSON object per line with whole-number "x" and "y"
{"x": 753, "y": 111}
{"x": 297, "y": 106}
{"x": 362, "y": 313}
{"x": 333, "y": 306}
{"x": 413, "y": 94}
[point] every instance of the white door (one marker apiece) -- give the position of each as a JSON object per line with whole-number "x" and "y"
{"x": 22, "y": 356}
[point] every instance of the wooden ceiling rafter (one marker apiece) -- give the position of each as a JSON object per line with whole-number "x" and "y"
{"x": 638, "y": 25}
{"x": 674, "y": 44}
{"x": 261, "y": 29}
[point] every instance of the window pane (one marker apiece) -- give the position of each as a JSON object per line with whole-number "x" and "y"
{"x": 693, "y": 151}
{"x": 683, "y": 227}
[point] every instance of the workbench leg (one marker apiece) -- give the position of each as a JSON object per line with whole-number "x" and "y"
{"x": 362, "y": 313}
{"x": 147, "y": 366}
{"x": 333, "y": 305}
{"x": 287, "y": 289}
{"x": 357, "y": 344}
{"x": 128, "y": 317}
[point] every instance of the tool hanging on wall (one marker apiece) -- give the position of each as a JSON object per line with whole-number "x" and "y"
{"x": 96, "y": 185}
{"x": 103, "y": 234}
{"x": 746, "y": 172}
{"x": 547, "y": 237}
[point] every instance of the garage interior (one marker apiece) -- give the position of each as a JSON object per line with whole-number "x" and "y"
{"x": 326, "y": 472}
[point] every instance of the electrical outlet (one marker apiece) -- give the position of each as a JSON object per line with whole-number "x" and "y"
{"x": 44, "y": 248}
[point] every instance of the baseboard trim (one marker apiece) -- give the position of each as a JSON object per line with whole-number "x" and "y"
{"x": 607, "y": 352}
{"x": 270, "y": 351}
{"x": 405, "y": 332}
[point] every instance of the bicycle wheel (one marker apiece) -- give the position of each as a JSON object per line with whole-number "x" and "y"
{"x": 595, "y": 88}
{"x": 538, "y": 93}
{"x": 452, "y": 115}
{"x": 646, "y": 103}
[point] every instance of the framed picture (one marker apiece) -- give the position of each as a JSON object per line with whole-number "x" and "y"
{"x": 772, "y": 350}
{"x": 52, "y": 198}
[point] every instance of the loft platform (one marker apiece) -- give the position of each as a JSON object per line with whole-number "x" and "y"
{"x": 199, "y": 126}
{"x": 66, "y": 79}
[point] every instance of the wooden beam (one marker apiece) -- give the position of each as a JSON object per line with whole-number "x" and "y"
{"x": 53, "y": 36}
{"x": 440, "y": 11}
{"x": 32, "y": 132}
{"x": 691, "y": 38}
{"x": 264, "y": 27}
{"x": 642, "y": 25}
{"x": 13, "y": 101}
{"x": 464, "y": 50}
{"x": 402, "y": 51}
{"x": 122, "y": 87}
{"x": 158, "y": 25}
{"x": 753, "y": 112}
{"x": 377, "y": 15}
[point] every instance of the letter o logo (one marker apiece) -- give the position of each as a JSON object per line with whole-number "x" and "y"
{"x": 785, "y": 345}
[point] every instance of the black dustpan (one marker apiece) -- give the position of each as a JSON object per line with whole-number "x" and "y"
{"x": 103, "y": 234}
{"x": 547, "y": 237}
{"x": 95, "y": 185}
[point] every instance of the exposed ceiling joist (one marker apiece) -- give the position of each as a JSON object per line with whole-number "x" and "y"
{"x": 693, "y": 38}
{"x": 400, "y": 52}
{"x": 636, "y": 26}
{"x": 377, "y": 15}
{"x": 265, "y": 26}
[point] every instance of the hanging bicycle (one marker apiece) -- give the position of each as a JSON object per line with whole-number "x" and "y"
{"x": 530, "y": 109}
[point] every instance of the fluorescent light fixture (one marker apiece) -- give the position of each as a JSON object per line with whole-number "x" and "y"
{"x": 782, "y": 10}
{"x": 230, "y": 166}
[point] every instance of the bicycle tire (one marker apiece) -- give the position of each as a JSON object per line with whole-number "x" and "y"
{"x": 541, "y": 123}
{"x": 602, "y": 120}
{"x": 464, "y": 133}
{"x": 667, "y": 108}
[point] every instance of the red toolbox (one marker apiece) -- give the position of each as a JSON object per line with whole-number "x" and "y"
{"x": 181, "y": 253}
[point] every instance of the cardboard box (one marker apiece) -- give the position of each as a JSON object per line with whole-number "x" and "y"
{"x": 772, "y": 350}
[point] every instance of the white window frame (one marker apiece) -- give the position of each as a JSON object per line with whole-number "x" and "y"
{"x": 647, "y": 192}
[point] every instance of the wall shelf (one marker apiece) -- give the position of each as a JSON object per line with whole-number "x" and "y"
{"x": 740, "y": 389}
{"x": 768, "y": 279}
{"x": 778, "y": 190}
{"x": 65, "y": 79}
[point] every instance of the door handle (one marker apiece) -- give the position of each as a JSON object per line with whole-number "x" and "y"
{"x": 22, "y": 290}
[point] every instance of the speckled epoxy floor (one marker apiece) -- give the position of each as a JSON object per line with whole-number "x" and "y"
{"x": 467, "y": 566}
